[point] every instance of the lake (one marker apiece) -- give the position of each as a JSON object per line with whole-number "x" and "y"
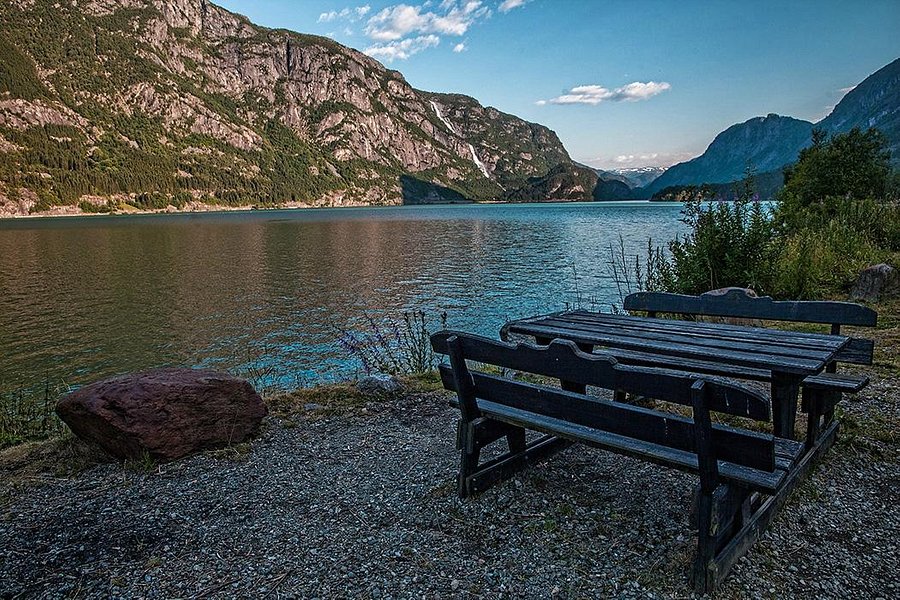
{"x": 84, "y": 298}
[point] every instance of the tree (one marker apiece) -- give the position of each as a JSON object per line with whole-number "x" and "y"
{"x": 853, "y": 165}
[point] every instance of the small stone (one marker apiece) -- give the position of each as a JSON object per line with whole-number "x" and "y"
{"x": 379, "y": 385}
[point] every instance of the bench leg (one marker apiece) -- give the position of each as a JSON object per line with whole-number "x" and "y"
{"x": 474, "y": 435}
{"x": 819, "y": 406}
{"x": 750, "y": 516}
{"x": 785, "y": 389}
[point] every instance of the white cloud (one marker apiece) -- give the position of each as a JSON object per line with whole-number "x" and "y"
{"x": 508, "y": 5}
{"x": 595, "y": 94}
{"x": 400, "y": 20}
{"x": 402, "y": 49}
{"x": 352, "y": 14}
{"x": 460, "y": 47}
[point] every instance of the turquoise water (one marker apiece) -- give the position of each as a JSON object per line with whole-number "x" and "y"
{"x": 84, "y": 298}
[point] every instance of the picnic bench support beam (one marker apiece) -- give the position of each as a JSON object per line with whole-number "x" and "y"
{"x": 785, "y": 389}
{"x": 506, "y": 466}
{"x": 750, "y": 531}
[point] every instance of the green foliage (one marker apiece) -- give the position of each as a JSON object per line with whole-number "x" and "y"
{"x": 18, "y": 75}
{"x": 394, "y": 346}
{"x": 853, "y": 165}
{"x": 28, "y": 413}
{"x": 730, "y": 244}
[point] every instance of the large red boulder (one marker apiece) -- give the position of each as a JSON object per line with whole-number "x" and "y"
{"x": 166, "y": 413}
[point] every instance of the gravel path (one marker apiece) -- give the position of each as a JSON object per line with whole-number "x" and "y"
{"x": 363, "y": 506}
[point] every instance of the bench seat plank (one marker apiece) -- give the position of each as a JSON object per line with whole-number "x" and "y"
{"x": 842, "y": 382}
{"x": 662, "y": 455}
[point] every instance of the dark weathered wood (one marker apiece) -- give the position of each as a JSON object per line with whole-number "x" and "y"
{"x": 609, "y": 336}
{"x": 563, "y": 360}
{"x": 682, "y": 460}
{"x": 752, "y": 530}
{"x": 738, "y": 446}
{"x": 737, "y": 467}
{"x": 785, "y": 390}
{"x": 685, "y": 335}
{"x": 507, "y": 465}
{"x": 703, "y": 441}
{"x": 462, "y": 382}
{"x": 736, "y": 303}
{"x": 850, "y": 384}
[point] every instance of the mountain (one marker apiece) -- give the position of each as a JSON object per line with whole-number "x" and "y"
{"x": 769, "y": 143}
{"x": 638, "y": 177}
{"x": 154, "y": 103}
{"x": 873, "y": 103}
{"x": 765, "y": 143}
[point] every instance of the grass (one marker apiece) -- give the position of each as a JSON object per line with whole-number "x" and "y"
{"x": 63, "y": 456}
{"x": 341, "y": 398}
{"x": 27, "y": 414}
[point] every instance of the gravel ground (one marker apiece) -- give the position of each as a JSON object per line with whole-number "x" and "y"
{"x": 363, "y": 505}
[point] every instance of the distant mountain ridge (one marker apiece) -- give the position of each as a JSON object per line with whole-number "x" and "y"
{"x": 768, "y": 144}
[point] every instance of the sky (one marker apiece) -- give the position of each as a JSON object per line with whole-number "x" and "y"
{"x": 624, "y": 83}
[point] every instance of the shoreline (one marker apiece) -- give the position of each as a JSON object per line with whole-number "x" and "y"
{"x": 219, "y": 209}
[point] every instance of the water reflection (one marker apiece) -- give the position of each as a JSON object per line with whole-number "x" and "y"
{"x": 85, "y": 298}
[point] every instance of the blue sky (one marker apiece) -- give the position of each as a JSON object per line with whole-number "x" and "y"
{"x": 623, "y": 83}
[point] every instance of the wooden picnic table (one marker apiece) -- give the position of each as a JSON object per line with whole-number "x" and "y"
{"x": 783, "y": 357}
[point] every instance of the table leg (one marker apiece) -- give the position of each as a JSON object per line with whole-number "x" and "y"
{"x": 785, "y": 389}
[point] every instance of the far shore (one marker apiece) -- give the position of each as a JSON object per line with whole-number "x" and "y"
{"x": 74, "y": 211}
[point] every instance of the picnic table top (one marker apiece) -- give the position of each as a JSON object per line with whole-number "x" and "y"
{"x": 775, "y": 350}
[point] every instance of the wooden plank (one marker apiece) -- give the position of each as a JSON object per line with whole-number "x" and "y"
{"x": 741, "y": 447}
{"x": 730, "y": 332}
{"x": 858, "y": 351}
{"x": 563, "y": 360}
{"x": 507, "y": 465}
{"x": 715, "y": 342}
{"x": 761, "y": 519}
{"x": 704, "y": 445}
{"x": 737, "y": 304}
{"x": 753, "y": 479}
{"x": 687, "y": 350}
{"x": 833, "y": 381}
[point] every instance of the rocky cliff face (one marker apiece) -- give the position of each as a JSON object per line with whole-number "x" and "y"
{"x": 873, "y": 103}
{"x": 156, "y": 102}
{"x": 763, "y": 143}
{"x": 769, "y": 143}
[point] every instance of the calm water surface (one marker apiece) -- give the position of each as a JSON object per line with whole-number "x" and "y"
{"x": 85, "y": 298}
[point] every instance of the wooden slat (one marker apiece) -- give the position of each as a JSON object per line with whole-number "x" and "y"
{"x": 715, "y": 342}
{"x": 754, "y": 479}
{"x": 741, "y": 447}
{"x": 699, "y": 328}
{"x": 563, "y": 360}
{"x": 833, "y": 381}
{"x": 736, "y": 304}
{"x": 761, "y": 360}
{"x": 858, "y": 351}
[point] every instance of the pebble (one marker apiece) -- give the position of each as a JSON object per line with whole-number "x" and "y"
{"x": 365, "y": 506}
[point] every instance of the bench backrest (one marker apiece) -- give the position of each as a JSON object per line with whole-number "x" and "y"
{"x": 564, "y": 361}
{"x": 737, "y": 303}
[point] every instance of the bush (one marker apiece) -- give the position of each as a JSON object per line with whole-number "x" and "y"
{"x": 394, "y": 346}
{"x": 852, "y": 165}
{"x": 730, "y": 244}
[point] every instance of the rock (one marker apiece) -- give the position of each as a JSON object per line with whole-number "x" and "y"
{"x": 876, "y": 282}
{"x": 736, "y": 294}
{"x": 167, "y": 413}
{"x": 379, "y": 385}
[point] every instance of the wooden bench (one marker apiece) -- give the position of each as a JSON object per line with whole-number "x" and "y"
{"x": 745, "y": 476}
{"x": 822, "y": 392}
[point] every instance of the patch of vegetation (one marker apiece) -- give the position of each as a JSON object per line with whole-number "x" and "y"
{"x": 28, "y": 414}
{"x": 395, "y": 346}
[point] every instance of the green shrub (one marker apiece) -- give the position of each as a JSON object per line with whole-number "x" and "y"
{"x": 730, "y": 244}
